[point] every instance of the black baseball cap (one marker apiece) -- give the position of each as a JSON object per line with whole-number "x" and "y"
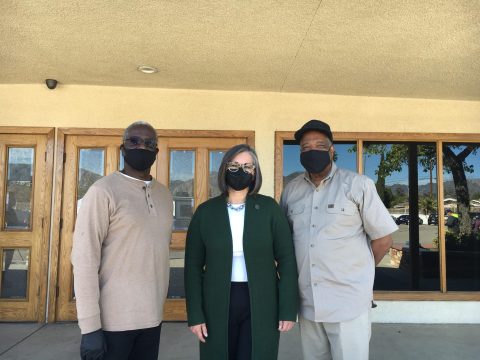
{"x": 315, "y": 125}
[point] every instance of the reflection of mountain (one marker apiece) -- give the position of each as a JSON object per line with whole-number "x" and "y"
{"x": 213, "y": 181}
{"x": 449, "y": 188}
{"x": 290, "y": 177}
{"x": 20, "y": 172}
{"x": 185, "y": 187}
{"x": 401, "y": 189}
{"x": 86, "y": 179}
{"x": 19, "y": 186}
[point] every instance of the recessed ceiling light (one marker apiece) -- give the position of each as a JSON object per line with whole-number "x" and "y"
{"x": 147, "y": 69}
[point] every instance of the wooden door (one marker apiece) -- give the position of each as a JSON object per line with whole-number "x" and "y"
{"x": 189, "y": 167}
{"x": 25, "y": 194}
{"x": 87, "y": 158}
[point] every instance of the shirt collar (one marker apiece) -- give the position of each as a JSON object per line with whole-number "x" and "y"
{"x": 147, "y": 183}
{"x": 330, "y": 175}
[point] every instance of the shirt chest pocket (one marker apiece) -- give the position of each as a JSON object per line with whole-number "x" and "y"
{"x": 342, "y": 215}
{"x": 296, "y": 218}
{"x": 341, "y": 220}
{"x": 342, "y": 208}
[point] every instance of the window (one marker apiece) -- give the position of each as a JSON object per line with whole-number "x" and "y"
{"x": 418, "y": 177}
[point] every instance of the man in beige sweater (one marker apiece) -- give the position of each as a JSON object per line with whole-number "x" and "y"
{"x": 120, "y": 256}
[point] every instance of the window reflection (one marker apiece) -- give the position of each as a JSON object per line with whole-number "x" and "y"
{"x": 182, "y": 173}
{"x": 215, "y": 160}
{"x": 91, "y": 167}
{"x": 14, "y": 273}
{"x": 18, "y": 195}
{"x": 176, "y": 288}
{"x": 461, "y": 176}
{"x": 405, "y": 178}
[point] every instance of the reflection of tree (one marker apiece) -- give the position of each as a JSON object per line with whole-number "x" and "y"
{"x": 391, "y": 160}
{"x": 427, "y": 204}
{"x": 394, "y": 157}
{"x": 457, "y": 166}
{"x": 428, "y": 160}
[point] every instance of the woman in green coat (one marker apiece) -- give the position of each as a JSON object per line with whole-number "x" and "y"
{"x": 240, "y": 269}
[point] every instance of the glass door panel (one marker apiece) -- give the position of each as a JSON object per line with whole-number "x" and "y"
{"x": 404, "y": 175}
{"x": 189, "y": 167}
{"x": 461, "y": 191}
{"x": 215, "y": 158}
{"x": 18, "y": 204}
{"x": 88, "y": 159}
{"x": 23, "y": 241}
{"x": 181, "y": 185}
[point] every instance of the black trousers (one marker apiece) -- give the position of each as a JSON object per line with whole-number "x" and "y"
{"x": 139, "y": 344}
{"x": 239, "y": 323}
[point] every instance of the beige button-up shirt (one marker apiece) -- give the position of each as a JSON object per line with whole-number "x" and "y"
{"x": 332, "y": 227}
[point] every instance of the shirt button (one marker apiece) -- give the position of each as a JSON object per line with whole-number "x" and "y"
{"x": 311, "y": 245}
{"x": 148, "y": 195}
{"x": 151, "y": 206}
{"x": 313, "y": 265}
{"x": 313, "y": 225}
{"x": 316, "y": 207}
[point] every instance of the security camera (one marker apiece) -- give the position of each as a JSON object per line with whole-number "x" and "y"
{"x": 51, "y": 83}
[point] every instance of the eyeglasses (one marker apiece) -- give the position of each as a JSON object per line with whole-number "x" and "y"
{"x": 318, "y": 146}
{"x": 234, "y": 166}
{"x": 135, "y": 141}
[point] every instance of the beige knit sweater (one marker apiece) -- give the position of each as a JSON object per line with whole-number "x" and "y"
{"x": 120, "y": 254}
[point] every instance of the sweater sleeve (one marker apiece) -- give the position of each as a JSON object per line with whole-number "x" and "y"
{"x": 91, "y": 228}
{"x": 286, "y": 267}
{"x": 194, "y": 264}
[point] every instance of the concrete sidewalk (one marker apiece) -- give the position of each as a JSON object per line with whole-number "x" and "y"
{"x": 389, "y": 341}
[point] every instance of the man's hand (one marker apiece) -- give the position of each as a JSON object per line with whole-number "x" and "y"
{"x": 93, "y": 346}
{"x": 284, "y": 326}
{"x": 200, "y": 330}
{"x": 380, "y": 247}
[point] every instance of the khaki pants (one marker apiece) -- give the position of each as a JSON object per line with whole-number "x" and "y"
{"x": 348, "y": 340}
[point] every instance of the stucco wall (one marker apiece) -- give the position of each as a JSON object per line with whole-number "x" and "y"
{"x": 97, "y": 106}
{"x": 116, "y": 107}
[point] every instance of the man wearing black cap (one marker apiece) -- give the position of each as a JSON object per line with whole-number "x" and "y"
{"x": 341, "y": 229}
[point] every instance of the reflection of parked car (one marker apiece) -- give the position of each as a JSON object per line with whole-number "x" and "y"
{"x": 433, "y": 219}
{"x": 474, "y": 216}
{"x": 405, "y": 219}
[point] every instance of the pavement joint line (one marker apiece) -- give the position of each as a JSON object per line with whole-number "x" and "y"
{"x": 22, "y": 340}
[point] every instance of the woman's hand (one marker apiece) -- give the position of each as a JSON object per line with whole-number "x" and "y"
{"x": 284, "y": 326}
{"x": 200, "y": 330}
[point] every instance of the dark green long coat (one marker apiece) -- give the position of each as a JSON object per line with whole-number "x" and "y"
{"x": 208, "y": 266}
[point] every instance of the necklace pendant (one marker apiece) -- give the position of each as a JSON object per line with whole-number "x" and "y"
{"x": 235, "y": 208}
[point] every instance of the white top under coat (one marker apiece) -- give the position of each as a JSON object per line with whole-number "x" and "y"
{"x": 237, "y": 219}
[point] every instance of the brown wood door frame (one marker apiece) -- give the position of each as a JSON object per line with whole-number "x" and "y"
{"x": 177, "y": 306}
{"x": 175, "y": 309}
{"x": 65, "y": 307}
{"x": 40, "y": 293}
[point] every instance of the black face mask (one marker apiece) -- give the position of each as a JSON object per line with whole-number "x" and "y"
{"x": 238, "y": 180}
{"x": 139, "y": 159}
{"x": 315, "y": 161}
